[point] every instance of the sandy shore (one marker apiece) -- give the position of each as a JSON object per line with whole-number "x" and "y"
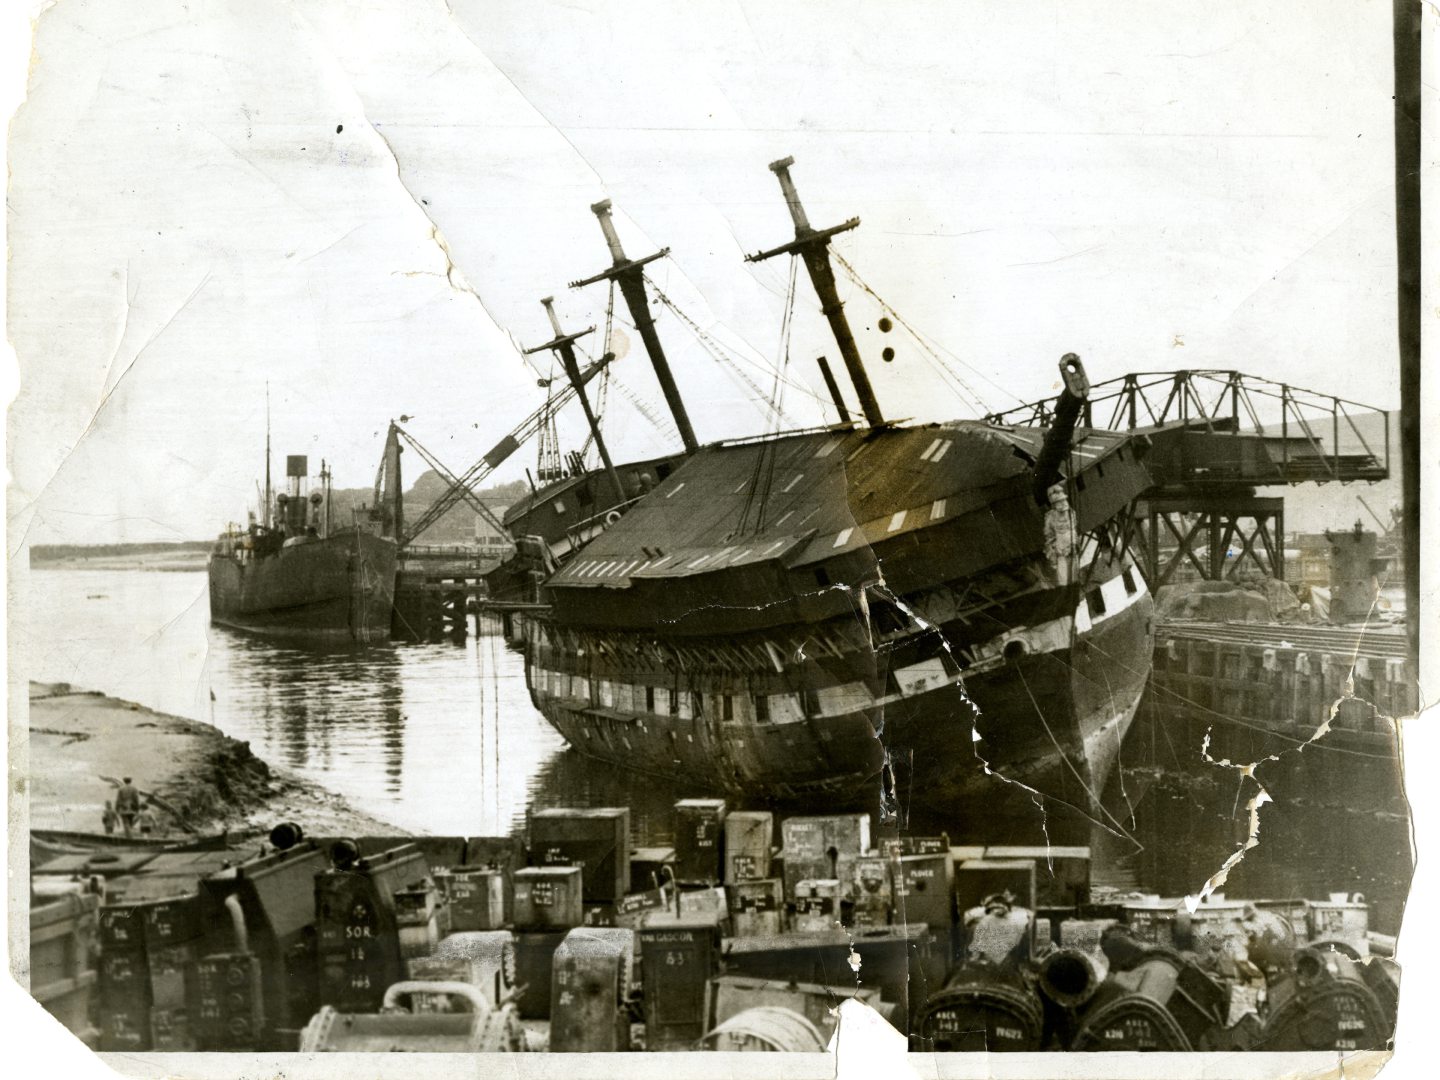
{"x": 79, "y": 739}
{"x": 189, "y": 561}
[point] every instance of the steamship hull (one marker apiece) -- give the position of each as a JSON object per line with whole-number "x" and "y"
{"x": 916, "y": 640}
{"x": 338, "y": 588}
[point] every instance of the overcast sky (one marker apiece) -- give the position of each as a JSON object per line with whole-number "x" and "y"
{"x": 210, "y": 196}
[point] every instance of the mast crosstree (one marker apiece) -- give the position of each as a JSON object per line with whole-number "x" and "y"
{"x": 629, "y": 275}
{"x": 813, "y": 245}
{"x": 563, "y": 345}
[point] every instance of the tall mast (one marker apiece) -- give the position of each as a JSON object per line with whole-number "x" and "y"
{"x": 563, "y": 345}
{"x": 628, "y": 273}
{"x": 269, "y": 492}
{"x": 813, "y": 245}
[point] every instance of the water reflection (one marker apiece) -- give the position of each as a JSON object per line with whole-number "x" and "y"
{"x": 442, "y": 739}
{"x": 435, "y": 737}
{"x": 438, "y": 738}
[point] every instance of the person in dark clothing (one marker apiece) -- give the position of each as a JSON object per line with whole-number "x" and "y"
{"x": 108, "y": 818}
{"x": 127, "y": 805}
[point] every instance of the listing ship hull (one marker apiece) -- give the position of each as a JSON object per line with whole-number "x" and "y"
{"x": 1049, "y": 725}
{"x": 911, "y": 637}
{"x": 340, "y": 587}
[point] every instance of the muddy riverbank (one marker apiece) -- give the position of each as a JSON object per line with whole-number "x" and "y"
{"x": 82, "y": 743}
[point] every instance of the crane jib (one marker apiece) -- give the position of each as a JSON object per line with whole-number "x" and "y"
{"x": 503, "y": 449}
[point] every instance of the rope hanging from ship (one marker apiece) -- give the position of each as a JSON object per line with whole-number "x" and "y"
{"x": 931, "y": 351}
{"x": 644, "y": 407}
{"x": 602, "y": 395}
{"x": 729, "y": 360}
{"x": 787, "y": 325}
{"x": 762, "y": 477}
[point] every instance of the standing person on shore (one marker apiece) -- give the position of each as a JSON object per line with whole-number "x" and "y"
{"x": 127, "y": 804}
{"x": 108, "y": 818}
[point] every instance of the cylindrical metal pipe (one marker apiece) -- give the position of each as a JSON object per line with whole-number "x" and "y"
{"x": 237, "y": 922}
{"x": 1070, "y": 977}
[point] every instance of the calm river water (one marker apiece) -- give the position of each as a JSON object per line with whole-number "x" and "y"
{"x": 442, "y": 739}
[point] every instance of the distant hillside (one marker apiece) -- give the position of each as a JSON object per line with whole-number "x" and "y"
{"x": 456, "y": 527}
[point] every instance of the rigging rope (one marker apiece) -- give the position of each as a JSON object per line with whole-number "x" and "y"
{"x": 727, "y": 359}
{"x": 602, "y": 396}
{"x": 931, "y": 350}
{"x": 645, "y": 408}
{"x": 787, "y": 324}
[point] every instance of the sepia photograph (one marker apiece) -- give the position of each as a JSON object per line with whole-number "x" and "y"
{"x": 887, "y": 530}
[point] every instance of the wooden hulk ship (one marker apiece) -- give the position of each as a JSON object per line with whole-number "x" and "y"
{"x": 930, "y": 610}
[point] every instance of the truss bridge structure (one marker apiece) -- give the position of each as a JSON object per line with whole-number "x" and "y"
{"x": 1216, "y": 437}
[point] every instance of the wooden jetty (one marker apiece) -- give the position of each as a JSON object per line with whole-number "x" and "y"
{"x": 436, "y": 588}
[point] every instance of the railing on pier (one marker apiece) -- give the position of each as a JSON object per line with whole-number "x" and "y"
{"x": 1307, "y": 425}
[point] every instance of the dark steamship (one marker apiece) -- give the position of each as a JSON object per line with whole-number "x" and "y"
{"x": 292, "y": 574}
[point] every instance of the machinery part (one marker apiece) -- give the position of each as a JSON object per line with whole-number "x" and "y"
{"x": 1163, "y": 1003}
{"x": 982, "y": 1008}
{"x": 588, "y": 995}
{"x": 766, "y": 1028}
{"x": 999, "y": 931}
{"x": 344, "y": 854}
{"x": 1326, "y": 1004}
{"x": 237, "y": 922}
{"x": 482, "y": 1030}
{"x": 468, "y": 991}
{"x": 1071, "y": 977}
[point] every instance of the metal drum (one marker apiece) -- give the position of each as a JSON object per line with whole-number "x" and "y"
{"x": 766, "y": 1028}
{"x": 1325, "y": 1005}
{"x": 982, "y": 1008}
{"x": 1163, "y": 1003}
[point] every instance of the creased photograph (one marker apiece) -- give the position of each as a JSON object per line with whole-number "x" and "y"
{"x": 705, "y": 528}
